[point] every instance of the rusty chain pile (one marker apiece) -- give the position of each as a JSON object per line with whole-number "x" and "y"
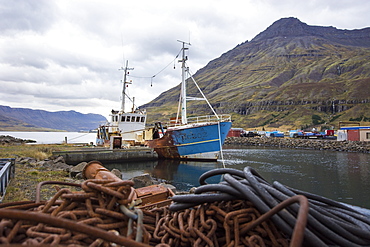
{"x": 243, "y": 210}
{"x": 91, "y": 217}
{"x": 212, "y": 224}
{"x": 98, "y": 216}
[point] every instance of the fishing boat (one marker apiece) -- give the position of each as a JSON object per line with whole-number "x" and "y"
{"x": 190, "y": 138}
{"x": 124, "y": 128}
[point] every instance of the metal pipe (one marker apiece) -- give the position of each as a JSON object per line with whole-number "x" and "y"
{"x": 95, "y": 170}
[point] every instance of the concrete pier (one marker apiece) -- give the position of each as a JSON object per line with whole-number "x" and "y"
{"x": 107, "y": 155}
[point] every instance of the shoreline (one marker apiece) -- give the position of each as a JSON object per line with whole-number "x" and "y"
{"x": 316, "y": 144}
{"x": 11, "y": 140}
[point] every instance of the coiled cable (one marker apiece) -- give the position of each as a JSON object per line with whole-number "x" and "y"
{"x": 329, "y": 222}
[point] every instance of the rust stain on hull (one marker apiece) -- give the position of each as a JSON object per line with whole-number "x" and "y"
{"x": 164, "y": 146}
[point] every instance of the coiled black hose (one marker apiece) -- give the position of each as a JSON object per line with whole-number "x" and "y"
{"x": 329, "y": 222}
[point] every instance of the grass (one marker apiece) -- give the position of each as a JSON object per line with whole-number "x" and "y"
{"x": 36, "y": 151}
{"x": 23, "y": 186}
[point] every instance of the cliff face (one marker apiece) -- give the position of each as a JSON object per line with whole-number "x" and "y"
{"x": 12, "y": 119}
{"x": 284, "y": 76}
{"x": 292, "y": 27}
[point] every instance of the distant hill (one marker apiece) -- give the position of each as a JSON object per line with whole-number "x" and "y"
{"x": 289, "y": 76}
{"x": 23, "y": 119}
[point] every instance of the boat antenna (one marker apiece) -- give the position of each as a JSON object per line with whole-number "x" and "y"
{"x": 125, "y": 73}
{"x": 183, "y": 82}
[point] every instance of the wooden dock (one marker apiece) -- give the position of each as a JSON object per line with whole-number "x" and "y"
{"x": 106, "y": 155}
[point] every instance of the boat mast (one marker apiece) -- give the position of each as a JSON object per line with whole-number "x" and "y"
{"x": 183, "y": 83}
{"x": 125, "y": 73}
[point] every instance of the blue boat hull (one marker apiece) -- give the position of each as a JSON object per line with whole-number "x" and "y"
{"x": 198, "y": 142}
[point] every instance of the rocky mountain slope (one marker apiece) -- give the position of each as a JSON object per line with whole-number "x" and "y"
{"x": 289, "y": 76}
{"x": 16, "y": 119}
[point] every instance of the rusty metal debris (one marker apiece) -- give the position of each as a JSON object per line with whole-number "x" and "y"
{"x": 243, "y": 210}
{"x": 212, "y": 224}
{"x": 90, "y": 217}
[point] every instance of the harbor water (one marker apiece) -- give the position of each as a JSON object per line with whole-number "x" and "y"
{"x": 341, "y": 176}
{"x": 53, "y": 137}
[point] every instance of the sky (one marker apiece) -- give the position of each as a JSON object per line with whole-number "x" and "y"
{"x": 66, "y": 55}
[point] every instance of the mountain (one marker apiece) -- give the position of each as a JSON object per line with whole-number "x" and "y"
{"x": 16, "y": 119}
{"x": 290, "y": 76}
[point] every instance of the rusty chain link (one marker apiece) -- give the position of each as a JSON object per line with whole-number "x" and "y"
{"x": 88, "y": 217}
{"x": 211, "y": 224}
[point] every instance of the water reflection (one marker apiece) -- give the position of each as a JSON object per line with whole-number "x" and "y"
{"x": 133, "y": 169}
{"x": 340, "y": 176}
{"x": 182, "y": 174}
{"x": 354, "y": 175}
{"x": 337, "y": 175}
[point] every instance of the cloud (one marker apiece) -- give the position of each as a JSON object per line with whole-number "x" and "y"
{"x": 66, "y": 55}
{"x": 18, "y": 15}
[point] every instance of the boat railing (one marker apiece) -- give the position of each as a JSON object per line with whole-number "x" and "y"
{"x": 202, "y": 119}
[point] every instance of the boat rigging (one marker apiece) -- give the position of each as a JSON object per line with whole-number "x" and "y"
{"x": 124, "y": 128}
{"x": 195, "y": 138}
